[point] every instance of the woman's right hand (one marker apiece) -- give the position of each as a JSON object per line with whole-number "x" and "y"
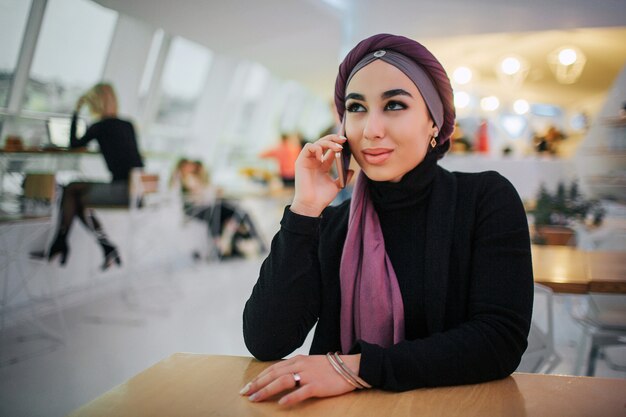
{"x": 315, "y": 188}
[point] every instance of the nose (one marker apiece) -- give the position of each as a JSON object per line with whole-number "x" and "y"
{"x": 374, "y": 126}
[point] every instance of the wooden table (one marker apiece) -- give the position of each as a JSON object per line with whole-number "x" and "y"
{"x": 185, "y": 385}
{"x": 566, "y": 269}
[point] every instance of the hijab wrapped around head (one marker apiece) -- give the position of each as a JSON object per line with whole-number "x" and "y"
{"x": 418, "y": 54}
{"x": 371, "y": 303}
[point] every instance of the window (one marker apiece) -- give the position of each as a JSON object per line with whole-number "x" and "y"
{"x": 70, "y": 55}
{"x": 250, "y": 81}
{"x": 184, "y": 76}
{"x": 13, "y": 17}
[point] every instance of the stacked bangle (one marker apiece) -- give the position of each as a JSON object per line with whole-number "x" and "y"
{"x": 343, "y": 370}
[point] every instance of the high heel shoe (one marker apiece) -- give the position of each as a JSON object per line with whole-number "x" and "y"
{"x": 111, "y": 256}
{"x": 58, "y": 249}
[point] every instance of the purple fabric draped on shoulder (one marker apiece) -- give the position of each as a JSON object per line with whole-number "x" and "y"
{"x": 413, "y": 50}
{"x": 371, "y": 302}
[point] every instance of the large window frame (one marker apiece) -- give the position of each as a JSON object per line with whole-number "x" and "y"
{"x": 58, "y": 76}
{"x": 15, "y": 15}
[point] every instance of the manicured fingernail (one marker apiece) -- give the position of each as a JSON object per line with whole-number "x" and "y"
{"x": 282, "y": 401}
{"x": 338, "y": 146}
{"x": 245, "y": 389}
{"x": 343, "y": 137}
{"x": 254, "y": 396}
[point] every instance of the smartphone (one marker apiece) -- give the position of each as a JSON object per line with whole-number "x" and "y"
{"x": 342, "y": 159}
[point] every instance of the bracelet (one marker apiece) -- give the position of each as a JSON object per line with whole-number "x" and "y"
{"x": 341, "y": 372}
{"x": 354, "y": 376}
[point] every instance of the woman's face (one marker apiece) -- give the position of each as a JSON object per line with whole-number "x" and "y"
{"x": 388, "y": 125}
{"x": 187, "y": 168}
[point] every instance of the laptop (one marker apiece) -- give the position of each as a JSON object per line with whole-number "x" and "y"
{"x": 58, "y": 129}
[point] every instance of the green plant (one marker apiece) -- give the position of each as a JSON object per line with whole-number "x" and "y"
{"x": 566, "y": 207}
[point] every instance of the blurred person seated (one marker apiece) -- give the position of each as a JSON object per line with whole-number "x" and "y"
{"x": 550, "y": 141}
{"x": 228, "y": 226}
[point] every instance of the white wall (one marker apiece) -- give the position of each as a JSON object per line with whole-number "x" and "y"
{"x": 525, "y": 173}
{"x": 601, "y": 157}
{"x": 125, "y": 64}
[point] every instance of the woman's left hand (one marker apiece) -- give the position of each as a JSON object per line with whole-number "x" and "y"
{"x": 317, "y": 379}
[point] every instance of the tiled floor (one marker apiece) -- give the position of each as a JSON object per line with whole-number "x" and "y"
{"x": 196, "y": 310}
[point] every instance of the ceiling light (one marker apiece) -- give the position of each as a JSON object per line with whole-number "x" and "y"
{"x": 512, "y": 70}
{"x": 490, "y": 103}
{"x": 340, "y": 5}
{"x": 461, "y": 99}
{"x": 567, "y": 56}
{"x": 510, "y": 65}
{"x": 567, "y": 64}
{"x": 462, "y": 75}
{"x": 521, "y": 106}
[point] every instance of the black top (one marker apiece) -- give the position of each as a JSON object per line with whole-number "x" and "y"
{"x": 117, "y": 142}
{"x": 467, "y": 299}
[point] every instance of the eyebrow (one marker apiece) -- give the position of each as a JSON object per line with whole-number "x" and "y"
{"x": 385, "y": 95}
{"x": 355, "y": 96}
{"x": 396, "y": 92}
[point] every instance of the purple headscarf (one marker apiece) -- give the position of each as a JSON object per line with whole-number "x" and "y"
{"x": 418, "y": 53}
{"x": 371, "y": 303}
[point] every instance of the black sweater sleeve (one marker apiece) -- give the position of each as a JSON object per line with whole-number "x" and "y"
{"x": 285, "y": 301}
{"x": 489, "y": 343}
{"x": 89, "y": 135}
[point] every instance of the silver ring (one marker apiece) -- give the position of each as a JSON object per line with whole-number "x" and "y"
{"x": 296, "y": 379}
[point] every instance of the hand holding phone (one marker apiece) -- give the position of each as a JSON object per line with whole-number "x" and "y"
{"x": 342, "y": 159}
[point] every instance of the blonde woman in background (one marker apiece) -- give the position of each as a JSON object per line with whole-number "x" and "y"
{"x": 118, "y": 145}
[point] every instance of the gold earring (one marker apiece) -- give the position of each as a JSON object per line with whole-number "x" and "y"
{"x": 433, "y": 142}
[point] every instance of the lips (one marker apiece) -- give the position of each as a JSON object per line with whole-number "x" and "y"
{"x": 377, "y": 156}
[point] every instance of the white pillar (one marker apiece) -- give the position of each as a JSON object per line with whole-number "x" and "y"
{"x": 126, "y": 62}
{"x": 212, "y": 109}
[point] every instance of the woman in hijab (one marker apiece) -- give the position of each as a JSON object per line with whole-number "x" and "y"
{"x": 422, "y": 279}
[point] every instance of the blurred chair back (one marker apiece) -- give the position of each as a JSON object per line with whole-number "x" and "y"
{"x": 541, "y": 355}
{"x": 39, "y": 195}
{"x": 604, "y": 324}
{"x": 40, "y": 187}
{"x": 142, "y": 186}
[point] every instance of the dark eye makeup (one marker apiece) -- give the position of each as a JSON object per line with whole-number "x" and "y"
{"x": 355, "y": 107}
{"x": 391, "y": 105}
{"x": 394, "y": 105}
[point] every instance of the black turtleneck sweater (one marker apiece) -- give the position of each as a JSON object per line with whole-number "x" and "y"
{"x": 467, "y": 287}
